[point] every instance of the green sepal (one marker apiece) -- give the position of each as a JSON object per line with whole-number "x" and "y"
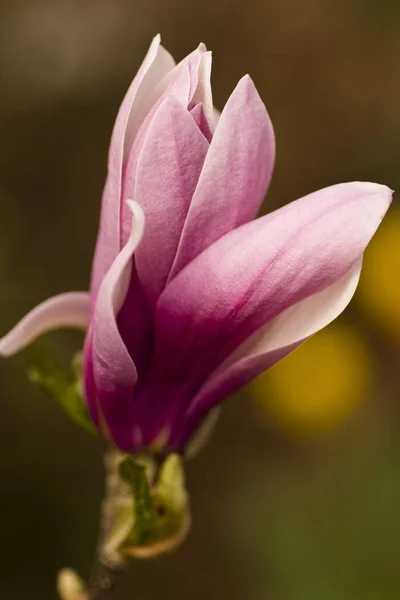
{"x": 149, "y": 510}
{"x": 171, "y": 483}
{"x": 170, "y": 498}
{"x": 64, "y": 386}
{"x": 135, "y": 474}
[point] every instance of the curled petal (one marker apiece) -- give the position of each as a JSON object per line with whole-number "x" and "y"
{"x": 65, "y": 310}
{"x": 235, "y": 176}
{"x": 114, "y": 373}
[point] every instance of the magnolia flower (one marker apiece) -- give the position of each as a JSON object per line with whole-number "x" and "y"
{"x": 191, "y": 296}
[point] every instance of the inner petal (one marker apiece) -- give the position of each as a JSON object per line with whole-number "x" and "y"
{"x": 200, "y": 119}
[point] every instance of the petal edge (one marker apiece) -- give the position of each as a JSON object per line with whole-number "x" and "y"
{"x": 64, "y": 310}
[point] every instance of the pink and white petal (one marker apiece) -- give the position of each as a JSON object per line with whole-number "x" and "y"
{"x": 172, "y": 83}
{"x": 168, "y": 168}
{"x": 177, "y": 81}
{"x": 194, "y": 61}
{"x": 65, "y": 310}
{"x": 235, "y": 176}
{"x": 272, "y": 342}
{"x": 179, "y": 88}
{"x": 176, "y": 84}
{"x": 137, "y": 102}
{"x": 253, "y": 274}
{"x": 203, "y": 92}
{"x": 143, "y": 101}
{"x": 114, "y": 373}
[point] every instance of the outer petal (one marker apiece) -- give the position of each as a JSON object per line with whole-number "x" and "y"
{"x": 235, "y": 175}
{"x": 267, "y": 345}
{"x": 88, "y": 377}
{"x": 65, "y": 310}
{"x": 168, "y": 169}
{"x": 251, "y": 276}
{"x": 114, "y": 373}
{"x": 138, "y": 106}
{"x": 135, "y": 105}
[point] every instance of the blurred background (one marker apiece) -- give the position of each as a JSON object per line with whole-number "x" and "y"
{"x": 297, "y": 496}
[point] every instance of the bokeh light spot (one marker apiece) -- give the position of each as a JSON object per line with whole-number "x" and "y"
{"x": 318, "y": 386}
{"x": 379, "y": 289}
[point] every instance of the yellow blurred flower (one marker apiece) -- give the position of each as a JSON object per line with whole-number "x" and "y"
{"x": 379, "y": 289}
{"x": 320, "y": 385}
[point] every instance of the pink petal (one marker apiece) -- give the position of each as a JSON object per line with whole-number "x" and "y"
{"x": 176, "y": 84}
{"x": 135, "y": 324}
{"x": 133, "y": 109}
{"x": 253, "y": 274}
{"x": 114, "y": 373}
{"x": 235, "y": 175}
{"x": 162, "y": 64}
{"x": 177, "y": 80}
{"x": 167, "y": 172}
{"x": 271, "y": 343}
{"x": 173, "y": 83}
{"x": 65, "y": 310}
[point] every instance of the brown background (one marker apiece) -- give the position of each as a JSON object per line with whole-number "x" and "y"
{"x": 275, "y": 518}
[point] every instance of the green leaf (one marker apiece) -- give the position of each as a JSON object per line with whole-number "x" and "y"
{"x": 135, "y": 475}
{"x": 63, "y": 386}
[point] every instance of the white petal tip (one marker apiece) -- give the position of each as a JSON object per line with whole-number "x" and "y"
{"x": 65, "y": 310}
{"x": 7, "y": 349}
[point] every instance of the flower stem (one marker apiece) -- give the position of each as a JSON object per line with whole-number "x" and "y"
{"x": 108, "y": 565}
{"x": 103, "y": 581}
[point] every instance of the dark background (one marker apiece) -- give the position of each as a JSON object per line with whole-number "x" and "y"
{"x": 297, "y": 496}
